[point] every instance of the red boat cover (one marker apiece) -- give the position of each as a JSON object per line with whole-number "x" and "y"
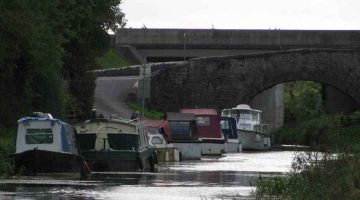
{"x": 207, "y": 122}
{"x": 163, "y": 125}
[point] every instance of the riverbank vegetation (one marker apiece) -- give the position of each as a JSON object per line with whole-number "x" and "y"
{"x": 330, "y": 169}
{"x": 149, "y": 114}
{"x": 47, "y": 48}
{"x": 7, "y": 147}
{"x": 111, "y": 59}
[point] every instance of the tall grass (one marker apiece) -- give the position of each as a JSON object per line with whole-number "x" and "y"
{"x": 7, "y": 147}
{"x": 315, "y": 176}
{"x": 112, "y": 59}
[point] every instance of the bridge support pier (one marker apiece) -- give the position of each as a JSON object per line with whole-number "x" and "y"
{"x": 271, "y": 102}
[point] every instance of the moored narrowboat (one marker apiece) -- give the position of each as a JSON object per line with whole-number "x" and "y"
{"x": 116, "y": 145}
{"x": 45, "y": 145}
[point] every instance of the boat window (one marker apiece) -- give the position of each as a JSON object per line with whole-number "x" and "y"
{"x": 245, "y": 115}
{"x": 244, "y": 126}
{"x": 234, "y": 114}
{"x": 225, "y": 113}
{"x": 256, "y": 116}
{"x": 87, "y": 141}
{"x": 153, "y": 130}
{"x": 156, "y": 140}
{"x": 180, "y": 128}
{"x": 39, "y": 136}
{"x": 123, "y": 141}
{"x": 203, "y": 121}
{"x": 224, "y": 124}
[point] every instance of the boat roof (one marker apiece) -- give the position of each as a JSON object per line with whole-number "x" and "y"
{"x": 121, "y": 121}
{"x": 155, "y": 123}
{"x": 26, "y": 119}
{"x": 200, "y": 111}
{"x": 243, "y": 107}
{"x": 180, "y": 116}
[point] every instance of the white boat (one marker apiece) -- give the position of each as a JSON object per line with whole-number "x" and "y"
{"x": 165, "y": 152}
{"x": 45, "y": 145}
{"x": 252, "y": 133}
{"x": 208, "y": 130}
{"x": 181, "y": 133}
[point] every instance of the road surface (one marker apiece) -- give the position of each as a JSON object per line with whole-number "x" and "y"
{"x": 111, "y": 95}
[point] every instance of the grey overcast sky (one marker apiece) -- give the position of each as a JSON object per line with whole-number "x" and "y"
{"x": 244, "y": 14}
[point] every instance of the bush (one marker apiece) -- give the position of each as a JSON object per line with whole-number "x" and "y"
{"x": 7, "y": 147}
{"x": 315, "y": 176}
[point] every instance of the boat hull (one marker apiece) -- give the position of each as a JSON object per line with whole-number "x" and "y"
{"x": 104, "y": 161}
{"x": 252, "y": 140}
{"x": 233, "y": 146}
{"x": 189, "y": 150}
{"x": 167, "y": 154}
{"x": 212, "y": 146}
{"x": 36, "y": 162}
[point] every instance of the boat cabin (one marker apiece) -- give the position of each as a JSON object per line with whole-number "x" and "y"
{"x": 228, "y": 127}
{"x": 115, "y": 145}
{"x": 46, "y": 134}
{"x": 246, "y": 118}
{"x": 182, "y": 126}
{"x": 207, "y": 122}
{"x": 105, "y": 134}
{"x": 155, "y": 130}
{"x": 47, "y": 145}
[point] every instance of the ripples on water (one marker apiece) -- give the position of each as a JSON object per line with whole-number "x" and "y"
{"x": 210, "y": 178}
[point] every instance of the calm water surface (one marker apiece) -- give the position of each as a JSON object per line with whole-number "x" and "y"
{"x": 228, "y": 177}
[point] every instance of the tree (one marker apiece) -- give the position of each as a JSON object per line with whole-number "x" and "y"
{"x": 43, "y": 43}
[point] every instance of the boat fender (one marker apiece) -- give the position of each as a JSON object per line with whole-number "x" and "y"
{"x": 154, "y": 155}
{"x": 180, "y": 156}
{"x": 85, "y": 170}
{"x": 139, "y": 162}
{"x": 257, "y": 138}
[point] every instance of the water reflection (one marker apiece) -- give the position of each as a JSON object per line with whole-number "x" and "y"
{"x": 223, "y": 178}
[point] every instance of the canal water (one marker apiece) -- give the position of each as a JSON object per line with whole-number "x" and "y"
{"x": 228, "y": 177}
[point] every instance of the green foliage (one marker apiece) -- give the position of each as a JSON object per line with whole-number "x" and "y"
{"x": 149, "y": 114}
{"x": 44, "y": 42}
{"x": 315, "y": 176}
{"x": 111, "y": 59}
{"x": 7, "y": 147}
{"x": 302, "y": 100}
{"x": 305, "y": 132}
{"x": 319, "y": 174}
{"x": 335, "y": 133}
{"x": 30, "y": 60}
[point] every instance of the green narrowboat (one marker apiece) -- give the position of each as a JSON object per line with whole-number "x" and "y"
{"x": 115, "y": 145}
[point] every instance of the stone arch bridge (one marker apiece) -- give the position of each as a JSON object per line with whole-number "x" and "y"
{"x": 221, "y": 82}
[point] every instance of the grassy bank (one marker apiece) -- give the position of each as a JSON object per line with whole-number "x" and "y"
{"x": 149, "y": 114}
{"x": 7, "y": 147}
{"x": 318, "y": 174}
{"x": 112, "y": 59}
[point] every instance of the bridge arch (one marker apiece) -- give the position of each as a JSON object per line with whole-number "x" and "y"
{"x": 221, "y": 82}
